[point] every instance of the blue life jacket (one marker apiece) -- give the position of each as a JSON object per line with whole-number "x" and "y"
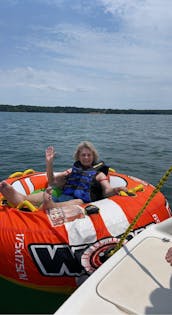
{"x": 79, "y": 182}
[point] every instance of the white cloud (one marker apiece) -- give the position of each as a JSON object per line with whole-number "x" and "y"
{"x": 78, "y": 62}
{"x": 142, "y": 15}
{"x": 41, "y": 80}
{"x": 102, "y": 53}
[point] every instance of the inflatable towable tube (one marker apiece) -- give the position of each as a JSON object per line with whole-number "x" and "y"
{"x": 41, "y": 254}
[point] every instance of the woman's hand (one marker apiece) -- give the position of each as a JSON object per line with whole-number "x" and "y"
{"x": 50, "y": 154}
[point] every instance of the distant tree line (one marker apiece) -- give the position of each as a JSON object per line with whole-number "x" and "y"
{"x": 71, "y": 109}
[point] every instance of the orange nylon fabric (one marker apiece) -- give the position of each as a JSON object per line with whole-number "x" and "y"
{"x": 37, "y": 254}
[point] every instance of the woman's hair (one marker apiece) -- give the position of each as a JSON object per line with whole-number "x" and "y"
{"x": 87, "y": 145}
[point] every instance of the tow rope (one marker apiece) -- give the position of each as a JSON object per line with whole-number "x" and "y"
{"x": 138, "y": 215}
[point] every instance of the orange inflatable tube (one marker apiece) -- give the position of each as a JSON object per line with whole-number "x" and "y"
{"x": 39, "y": 253}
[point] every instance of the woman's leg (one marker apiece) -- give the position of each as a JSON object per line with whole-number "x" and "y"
{"x": 44, "y": 198}
{"x": 48, "y": 203}
{"x": 14, "y": 197}
{"x": 66, "y": 211}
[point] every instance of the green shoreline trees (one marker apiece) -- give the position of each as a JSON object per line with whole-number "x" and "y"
{"x": 73, "y": 109}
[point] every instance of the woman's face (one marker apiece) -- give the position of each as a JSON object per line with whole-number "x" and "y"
{"x": 86, "y": 157}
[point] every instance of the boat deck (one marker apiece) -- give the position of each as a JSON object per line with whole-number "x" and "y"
{"x": 135, "y": 280}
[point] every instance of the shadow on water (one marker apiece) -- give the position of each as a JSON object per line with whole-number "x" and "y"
{"x": 16, "y": 299}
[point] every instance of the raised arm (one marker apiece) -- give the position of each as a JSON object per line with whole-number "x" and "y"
{"x": 49, "y": 157}
{"x": 59, "y": 178}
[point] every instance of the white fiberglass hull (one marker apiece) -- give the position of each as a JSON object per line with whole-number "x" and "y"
{"x": 135, "y": 280}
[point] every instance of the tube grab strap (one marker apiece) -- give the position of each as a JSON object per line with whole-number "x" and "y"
{"x": 20, "y": 174}
{"x": 27, "y": 204}
{"x": 132, "y": 191}
{"x": 138, "y": 215}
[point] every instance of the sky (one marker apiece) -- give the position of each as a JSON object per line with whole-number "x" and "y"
{"x": 86, "y": 53}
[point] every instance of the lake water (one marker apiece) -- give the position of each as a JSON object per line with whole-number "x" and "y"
{"x": 138, "y": 145}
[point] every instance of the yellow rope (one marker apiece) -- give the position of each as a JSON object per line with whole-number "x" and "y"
{"x": 155, "y": 191}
